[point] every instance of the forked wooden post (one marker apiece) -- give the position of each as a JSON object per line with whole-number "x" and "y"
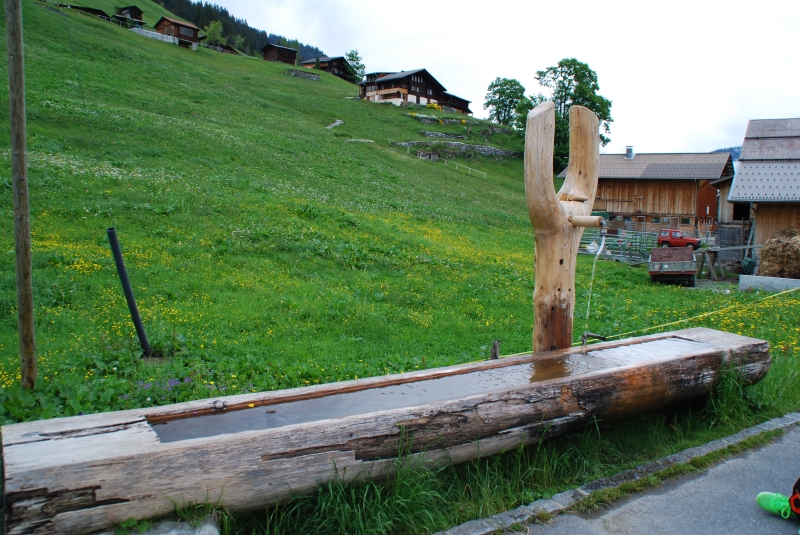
{"x": 557, "y": 237}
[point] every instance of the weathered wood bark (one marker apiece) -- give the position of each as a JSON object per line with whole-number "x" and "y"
{"x": 557, "y": 239}
{"x": 86, "y": 473}
{"x": 19, "y": 174}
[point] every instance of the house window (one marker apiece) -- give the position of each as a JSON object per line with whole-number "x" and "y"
{"x": 686, "y": 221}
{"x": 430, "y": 91}
{"x": 187, "y": 31}
{"x": 627, "y": 219}
{"x": 655, "y": 220}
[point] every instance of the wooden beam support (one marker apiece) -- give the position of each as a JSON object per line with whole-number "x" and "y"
{"x": 710, "y": 266}
{"x": 19, "y": 176}
{"x": 557, "y": 240}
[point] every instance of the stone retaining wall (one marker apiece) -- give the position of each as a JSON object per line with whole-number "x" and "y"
{"x": 303, "y": 74}
{"x": 461, "y": 148}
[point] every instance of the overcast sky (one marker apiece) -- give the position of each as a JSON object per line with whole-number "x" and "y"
{"x": 682, "y": 76}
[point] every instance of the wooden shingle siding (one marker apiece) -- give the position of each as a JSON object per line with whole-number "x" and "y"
{"x": 772, "y": 217}
{"x": 173, "y": 27}
{"x": 647, "y": 197}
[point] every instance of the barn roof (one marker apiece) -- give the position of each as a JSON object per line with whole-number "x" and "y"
{"x": 278, "y": 46}
{"x": 178, "y": 22}
{"x": 322, "y": 58}
{"x": 405, "y": 74}
{"x": 92, "y": 10}
{"x": 457, "y": 97}
{"x": 665, "y": 166}
{"x": 769, "y": 167}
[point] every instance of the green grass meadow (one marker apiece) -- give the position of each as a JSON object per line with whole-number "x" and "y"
{"x": 268, "y": 252}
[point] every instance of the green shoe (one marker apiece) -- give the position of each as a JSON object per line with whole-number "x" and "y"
{"x": 775, "y": 503}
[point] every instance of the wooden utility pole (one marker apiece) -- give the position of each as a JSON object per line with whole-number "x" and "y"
{"x": 19, "y": 173}
{"x": 558, "y": 219}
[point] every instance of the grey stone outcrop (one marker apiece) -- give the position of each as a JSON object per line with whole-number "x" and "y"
{"x": 303, "y": 74}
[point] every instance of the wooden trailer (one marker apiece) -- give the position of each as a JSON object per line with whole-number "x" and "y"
{"x": 87, "y": 473}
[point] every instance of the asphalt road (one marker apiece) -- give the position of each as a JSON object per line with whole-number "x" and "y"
{"x": 720, "y": 501}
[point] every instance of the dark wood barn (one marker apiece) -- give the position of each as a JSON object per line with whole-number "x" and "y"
{"x": 187, "y": 33}
{"x": 131, "y": 12}
{"x": 461, "y": 105}
{"x": 279, "y": 53}
{"x": 648, "y": 192}
{"x": 337, "y": 66}
{"x": 90, "y": 10}
{"x": 768, "y": 178}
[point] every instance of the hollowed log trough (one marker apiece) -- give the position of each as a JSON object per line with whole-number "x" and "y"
{"x": 87, "y": 473}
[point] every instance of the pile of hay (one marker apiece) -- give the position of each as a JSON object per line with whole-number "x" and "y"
{"x": 780, "y": 256}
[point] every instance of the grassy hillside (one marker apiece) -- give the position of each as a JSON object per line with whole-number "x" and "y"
{"x": 250, "y": 230}
{"x": 267, "y": 251}
{"x": 151, "y": 12}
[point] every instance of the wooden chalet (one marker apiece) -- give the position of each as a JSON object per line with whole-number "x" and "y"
{"x": 188, "y": 34}
{"x": 409, "y": 87}
{"x": 131, "y": 13}
{"x": 337, "y": 66}
{"x": 280, "y": 53}
{"x": 414, "y": 87}
{"x": 768, "y": 179}
{"x": 648, "y": 192}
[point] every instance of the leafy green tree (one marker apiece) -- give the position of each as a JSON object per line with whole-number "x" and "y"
{"x": 316, "y": 63}
{"x": 238, "y": 42}
{"x": 571, "y": 83}
{"x": 214, "y": 33}
{"x": 356, "y": 62}
{"x": 502, "y": 99}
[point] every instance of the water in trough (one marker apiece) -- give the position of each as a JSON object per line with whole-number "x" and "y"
{"x": 411, "y": 394}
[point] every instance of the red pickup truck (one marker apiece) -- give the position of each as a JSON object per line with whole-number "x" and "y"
{"x": 671, "y": 237}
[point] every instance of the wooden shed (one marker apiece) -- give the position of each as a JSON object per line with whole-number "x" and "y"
{"x": 131, "y": 12}
{"x": 768, "y": 177}
{"x": 187, "y": 33}
{"x": 337, "y": 66}
{"x": 279, "y": 53}
{"x": 461, "y": 105}
{"x": 648, "y": 192}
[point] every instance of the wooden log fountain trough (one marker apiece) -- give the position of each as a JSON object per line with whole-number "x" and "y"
{"x": 87, "y": 473}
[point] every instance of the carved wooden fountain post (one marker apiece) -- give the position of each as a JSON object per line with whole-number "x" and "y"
{"x": 558, "y": 219}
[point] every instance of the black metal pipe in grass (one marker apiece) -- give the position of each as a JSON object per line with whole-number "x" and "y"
{"x": 126, "y": 288}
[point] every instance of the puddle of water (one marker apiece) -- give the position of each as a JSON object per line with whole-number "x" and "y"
{"x": 419, "y": 392}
